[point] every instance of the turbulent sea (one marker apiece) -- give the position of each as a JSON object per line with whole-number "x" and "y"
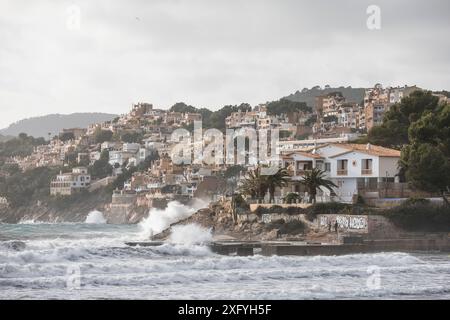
{"x": 91, "y": 261}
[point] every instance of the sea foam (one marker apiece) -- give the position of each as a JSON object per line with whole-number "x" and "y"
{"x": 95, "y": 217}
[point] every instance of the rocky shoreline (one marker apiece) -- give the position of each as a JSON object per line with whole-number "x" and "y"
{"x": 44, "y": 211}
{"x": 218, "y": 219}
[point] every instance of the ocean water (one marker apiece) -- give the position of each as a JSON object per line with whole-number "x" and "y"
{"x": 91, "y": 261}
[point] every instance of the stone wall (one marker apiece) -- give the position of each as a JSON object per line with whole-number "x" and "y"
{"x": 369, "y": 226}
{"x": 380, "y": 228}
{"x": 118, "y": 213}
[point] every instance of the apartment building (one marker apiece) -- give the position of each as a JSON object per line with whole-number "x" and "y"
{"x": 328, "y": 104}
{"x": 242, "y": 119}
{"x": 378, "y": 100}
{"x": 70, "y": 183}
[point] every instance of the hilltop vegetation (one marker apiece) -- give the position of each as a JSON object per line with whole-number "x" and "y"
{"x": 211, "y": 119}
{"x": 308, "y": 96}
{"x": 22, "y": 188}
{"x": 287, "y": 106}
{"x": 21, "y": 146}
{"x": 216, "y": 119}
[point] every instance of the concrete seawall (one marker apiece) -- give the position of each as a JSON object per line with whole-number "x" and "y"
{"x": 308, "y": 249}
{"x": 297, "y": 248}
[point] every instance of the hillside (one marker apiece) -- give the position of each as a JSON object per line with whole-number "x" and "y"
{"x": 54, "y": 123}
{"x": 5, "y": 138}
{"x": 308, "y": 95}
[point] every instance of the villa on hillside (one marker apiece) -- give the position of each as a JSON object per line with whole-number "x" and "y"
{"x": 351, "y": 167}
{"x": 70, "y": 183}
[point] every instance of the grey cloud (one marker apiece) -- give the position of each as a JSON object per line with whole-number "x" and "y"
{"x": 210, "y": 52}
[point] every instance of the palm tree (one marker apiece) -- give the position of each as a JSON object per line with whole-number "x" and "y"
{"x": 315, "y": 179}
{"x": 255, "y": 185}
{"x": 277, "y": 180}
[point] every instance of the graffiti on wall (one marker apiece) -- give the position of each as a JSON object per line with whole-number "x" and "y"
{"x": 344, "y": 222}
{"x": 266, "y": 218}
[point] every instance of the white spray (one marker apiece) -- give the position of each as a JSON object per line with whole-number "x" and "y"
{"x": 159, "y": 220}
{"x": 95, "y": 217}
{"x": 190, "y": 234}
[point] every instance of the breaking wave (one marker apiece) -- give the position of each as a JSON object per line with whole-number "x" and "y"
{"x": 159, "y": 220}
{"x": 95, "y": 217}
{"x": 190, "y": 234}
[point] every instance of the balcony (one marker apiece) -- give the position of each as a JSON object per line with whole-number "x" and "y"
{"x": 366, "y": 172}
{"x": 342, "y": 172}
{"x": 302, "y": 172}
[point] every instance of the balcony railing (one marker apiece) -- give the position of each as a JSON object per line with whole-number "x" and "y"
{"x": 342, "y": 172}
{"x": 366, "y": 171}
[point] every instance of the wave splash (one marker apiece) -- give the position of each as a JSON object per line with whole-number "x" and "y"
{"x": 95, "y": 217}
{"x": 190, "y": 234}
{"x": 159, "y": 220}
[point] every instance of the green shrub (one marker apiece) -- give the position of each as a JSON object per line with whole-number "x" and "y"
{"x": 420, "y": 216}
{"x": 360, "y": 200}
{"x": 280, "y": 210}
{"x": 414, "y": 201}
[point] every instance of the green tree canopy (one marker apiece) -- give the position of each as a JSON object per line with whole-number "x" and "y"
{"x": 101, "y": 168}
{"x": 285, "y": 106}
{"x": 183, "y": 107}
{"x": 66, "y": 136}
{"x": 101, "y": 136}
{"x": 21, "y": 146}
{"x": 426, "y": 160}
{"x": 394, "y": 130}
{"x": 131, "y": 137}
{"x": 23, "y": 187}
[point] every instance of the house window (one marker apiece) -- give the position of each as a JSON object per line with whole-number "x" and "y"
{"x": 327, "y": 167}
{"x": 342, "y": 166}
{"x": 366, "y": 166}
{"x": 319, "y": 165}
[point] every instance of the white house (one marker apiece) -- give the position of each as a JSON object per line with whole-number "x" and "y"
{"x": 108, "y": 145}
{"x": 349, "y": 166}
{"x": 119, "y": 157}
{"x": 131, "y": 147}
{"x": 69, "y": 183}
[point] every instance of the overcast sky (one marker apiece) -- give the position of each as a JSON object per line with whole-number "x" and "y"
{"x": 209, "y": 53}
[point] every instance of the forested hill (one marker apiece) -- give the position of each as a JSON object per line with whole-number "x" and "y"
{"x": 308, "y": 95}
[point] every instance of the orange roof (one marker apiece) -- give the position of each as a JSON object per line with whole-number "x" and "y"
{"x": 368, "y": 149}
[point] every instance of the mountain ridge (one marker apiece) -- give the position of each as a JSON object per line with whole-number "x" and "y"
{"x": 41, "y": 126}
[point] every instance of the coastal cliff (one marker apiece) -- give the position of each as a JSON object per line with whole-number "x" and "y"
{"x": 57, "y": 210}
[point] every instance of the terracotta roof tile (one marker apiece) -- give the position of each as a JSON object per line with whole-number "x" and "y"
{"x": 368, "y": 149}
